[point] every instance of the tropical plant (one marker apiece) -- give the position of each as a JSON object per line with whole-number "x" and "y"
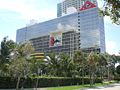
{"x": 20, "y": 65}
{"x": 118, "y": 69}
{"x": 81, "y": 63}
{"x": 102, "y": 65}
{"x": 53, "y": 64}
{"x": 92, "y": 62}
{"x": 7, "y": 47}
{"x": 66, "y": 66}
{"x": 111, "y": 61}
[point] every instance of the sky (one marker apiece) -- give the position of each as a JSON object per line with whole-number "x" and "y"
{"x": 15, "y": 14}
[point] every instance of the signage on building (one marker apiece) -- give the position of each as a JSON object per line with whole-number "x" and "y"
{"x": 87, "y": 5}
{"x": 55, "y": 39}
{"x": 38, "y": 55}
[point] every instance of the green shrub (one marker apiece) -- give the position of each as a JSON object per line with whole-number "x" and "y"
{"x": 117, "y": 78}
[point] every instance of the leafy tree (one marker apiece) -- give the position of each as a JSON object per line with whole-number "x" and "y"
{"x": 118, "y": 59}
{"x": 102, "y": 63}
{"x": 53, "y": 64}
{"x": 92, "y": 62}
{"x": 80, "y": 61}
{"x": 111, "y": 61}
{"x": 59, "y": 65}
{"x": 7, "y": 47}
{"x": 112, "y": 9}
{"x": 118, "y": 69}
{"x": 20, "y": 65}
{"x": 66, "y": 65}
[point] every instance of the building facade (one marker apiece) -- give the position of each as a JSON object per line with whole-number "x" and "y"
{"x": 80, "y": 30}
{"x": 64, "y": 7}
{"x": 68, "y": 43}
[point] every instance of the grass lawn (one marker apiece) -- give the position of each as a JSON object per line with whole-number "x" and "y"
{"x": 75, "y": 87}
{"x": 80, "y": 86}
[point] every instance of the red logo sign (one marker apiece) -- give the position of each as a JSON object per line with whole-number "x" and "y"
{"x": 87, "y": 5}
{"x": 52, "y": 41}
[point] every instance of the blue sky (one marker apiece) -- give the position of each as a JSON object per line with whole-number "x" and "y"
{"x": 15, "y": 14}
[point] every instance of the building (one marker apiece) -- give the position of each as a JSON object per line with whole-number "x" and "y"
{"x": 70, "y": 6}
{"x": 80, "y": 30}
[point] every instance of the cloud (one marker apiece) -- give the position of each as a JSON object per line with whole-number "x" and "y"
{"x": 107, "y": 19}
{"x": 111, "y": 47}
{"x": 26, "y": 10}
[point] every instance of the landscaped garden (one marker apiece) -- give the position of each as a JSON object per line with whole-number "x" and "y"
{"x": 20, "y": 69}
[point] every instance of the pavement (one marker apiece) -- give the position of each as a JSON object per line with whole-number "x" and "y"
{"x": 108, "y": 87}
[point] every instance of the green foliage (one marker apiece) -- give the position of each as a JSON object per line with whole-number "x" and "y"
{"x": 112, "y": 9}
{"x": 8, "y": 82}
{"x": 118, "y": 69}
{"x": 20, "y": 65}
{"x": 59, "y": 65}
{"x": 7, "y": 47}
{"x": 66, "y": 66}
{"x": 53, "y": 64}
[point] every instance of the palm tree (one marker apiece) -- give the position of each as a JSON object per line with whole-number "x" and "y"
{"x": 19, "y": 63}
{"x": 110, "y": 65}
{"x": 93, "y": 62}
{"x": 66, "y": 66}
{"x": 102, "y": 63}
{"x": 53, "y": 64}
{"x": 80, "y": 61}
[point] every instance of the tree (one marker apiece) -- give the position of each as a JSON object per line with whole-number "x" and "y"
{"x": 20, "y": 65}
{"x": 118, "y": 69}
{"x": 112, "y": 9}
{"x": 66, "y": 66}
{"x": 80, "y": 61}
{"x": 7, "y": 47}
{"x": 53, "y": 64}
{"x": 111, "y": 61}
{"x": 92, "y": 62}
{"x": 102, "y": 64}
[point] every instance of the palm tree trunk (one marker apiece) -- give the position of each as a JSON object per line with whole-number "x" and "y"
{"x": 82, "y": 76}
{"x": 90, "y": 73}
{"x": 37, "y": 83}
{"x": 18, "y": 81}
{"x": 91, "y": 77}
{"x": 101, "y": 73}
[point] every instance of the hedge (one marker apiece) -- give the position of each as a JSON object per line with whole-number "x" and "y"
{"x": 117, "y": 78}
{"x": 10, "y": 83}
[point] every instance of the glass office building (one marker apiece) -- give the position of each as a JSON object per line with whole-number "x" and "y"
{"x": 66, "y": 4}
{"x": 81, "y": 30}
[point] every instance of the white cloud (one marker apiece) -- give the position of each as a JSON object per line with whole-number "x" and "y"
{"x": 107, "y": 19}
{"x": 26, "y": 10}
{"x": 111, "y": 47}
{"x": 100, "y": 3}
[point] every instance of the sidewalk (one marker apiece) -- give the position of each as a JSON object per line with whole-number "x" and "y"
{"x": 108, "y": 87}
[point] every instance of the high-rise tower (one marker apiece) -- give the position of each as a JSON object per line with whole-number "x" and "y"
{"x": 68, "y": 6}
{"x": 79, "y": 30}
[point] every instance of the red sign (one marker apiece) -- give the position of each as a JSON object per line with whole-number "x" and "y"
{"x": 55, "y": 39}
{"x": 87, "y": 5}
{"x": 52, "y": 41}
